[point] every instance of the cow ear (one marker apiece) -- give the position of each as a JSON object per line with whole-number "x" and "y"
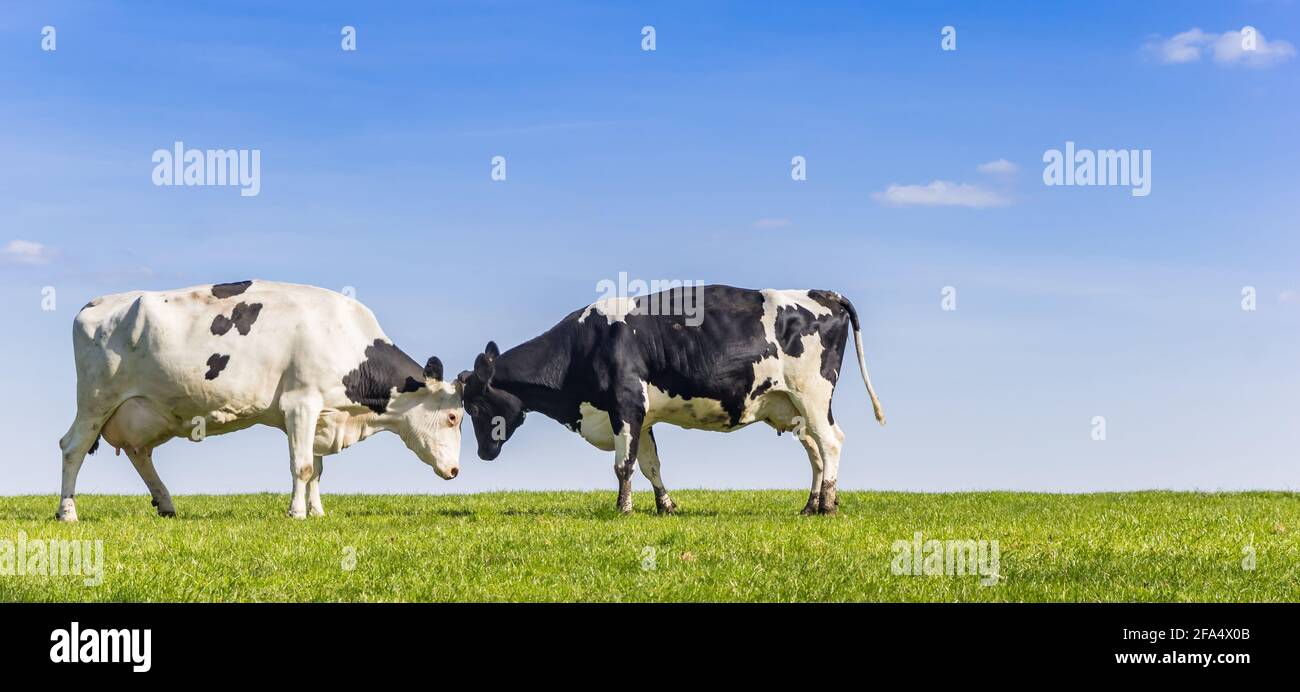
{"x": 433, "y": 369}
{"x": 483, "y": 368}
{"x": 459, "y": 383}
{"x": 491, "y": 350}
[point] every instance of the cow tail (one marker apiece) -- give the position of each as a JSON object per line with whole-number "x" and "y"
{"x": 862, "y": 359}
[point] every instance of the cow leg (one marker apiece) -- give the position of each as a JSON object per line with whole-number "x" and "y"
{"x": 300, "y": 416}
{"x": 75, "y": 445}
{"x": 829, "y": 440}
{"x": 815, "y": 458}
{"x": 814, "y": 425}
{"x": 627, "y": 437}
{"x": 648, "y": 457}
{"x": 314, "y": 506}
{"x": 143, "y": 462}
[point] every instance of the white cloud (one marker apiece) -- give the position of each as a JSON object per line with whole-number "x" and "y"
{"x": 941, "y": 193}
{"x": 999, "y": 167}
{"x": 26, "y": 252}
{"x": 1184, "y": 47}
{"x": 768, "y": 223}
{"x": 1228, "y": 48}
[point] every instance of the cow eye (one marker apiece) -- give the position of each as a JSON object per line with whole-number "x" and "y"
{"x": 471, "y": 409}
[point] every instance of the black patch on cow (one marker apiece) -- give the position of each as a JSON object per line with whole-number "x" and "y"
{"x": 231, "y": 289}
{"x": 241, "y": 318}
{"x": 713, "y": 360}
{"x": 216, "y": 363}
{"x": 758, "y": 391}
{"x": 385, "y": 368}
{"x": 793, "y": 323}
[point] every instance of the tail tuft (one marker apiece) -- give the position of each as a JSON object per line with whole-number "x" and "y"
{"x": 95, "y": 447}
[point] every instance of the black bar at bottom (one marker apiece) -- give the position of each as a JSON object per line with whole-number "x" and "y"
{"x": 233, "y": 638}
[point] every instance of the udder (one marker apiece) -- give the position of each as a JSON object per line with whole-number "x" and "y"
{"x": 137, "y": 426}
{"x": 778, "y": 411}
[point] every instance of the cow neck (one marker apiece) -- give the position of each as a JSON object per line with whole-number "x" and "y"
{"x": 534, "y": 371}
{"x": 355, "y": 427}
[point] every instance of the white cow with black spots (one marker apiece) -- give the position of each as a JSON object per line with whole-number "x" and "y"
{"x": 212, "y": 359}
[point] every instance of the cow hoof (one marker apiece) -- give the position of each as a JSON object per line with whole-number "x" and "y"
{"x": 665, "y": 505}
{"x": 296, "y": 515}
{"x": 315, "y": 511}
{"x": 67, "y": 511}
{"x": 167, "y": 514}
{"x": 813, "y": 506}
{"x": 830, "y": 499}
{"x": 154, "y": 501}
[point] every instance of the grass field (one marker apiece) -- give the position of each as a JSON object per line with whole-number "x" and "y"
{"x": 721, "y": 546}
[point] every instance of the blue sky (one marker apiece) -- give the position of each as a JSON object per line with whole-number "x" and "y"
{"x": 1072, "y": 302}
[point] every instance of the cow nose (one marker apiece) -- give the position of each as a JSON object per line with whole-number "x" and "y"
{"x": 455, "y": 472}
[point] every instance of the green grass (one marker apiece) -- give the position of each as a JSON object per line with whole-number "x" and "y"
{"x": 721, "y": 546}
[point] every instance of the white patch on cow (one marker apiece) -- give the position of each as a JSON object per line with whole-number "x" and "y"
{"x": 698, "y": 413}
{"x": 595, "y": 428}
{"x": 796, "y": 383}
{"x": 614, "y": 309}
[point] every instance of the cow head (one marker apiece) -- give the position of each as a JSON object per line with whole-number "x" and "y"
{"x": 496, "y": 413}
{"x": 428, "y": 420}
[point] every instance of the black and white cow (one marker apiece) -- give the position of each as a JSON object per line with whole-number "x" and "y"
{"x": 613, "y": 369}
{"x": 214, "y": 359}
